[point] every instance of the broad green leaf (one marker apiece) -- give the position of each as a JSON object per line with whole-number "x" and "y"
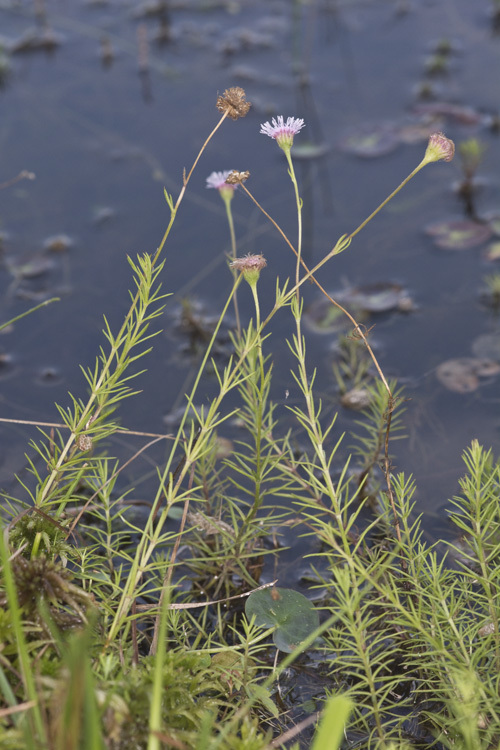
{"x": 290, "y": 612}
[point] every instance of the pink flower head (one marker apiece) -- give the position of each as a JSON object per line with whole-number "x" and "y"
{"x": 439, "y": 148}
{"x": 283, "y": 132}
{"x": 218, "y": 180}
{"x": 250, "y": 266}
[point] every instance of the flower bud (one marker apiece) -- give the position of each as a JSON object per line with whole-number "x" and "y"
{"x": 439, "y": 148}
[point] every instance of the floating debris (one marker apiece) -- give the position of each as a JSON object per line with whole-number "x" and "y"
{"x": 48, "y": 376}
{"x": 102, "y": 214}
{"x": 36, "y": 40}
{"x": 6, "y": 365}
{"x": 462, "y": 375}
{"x": 356, "y": 399}
{"x": 58, "y": 243}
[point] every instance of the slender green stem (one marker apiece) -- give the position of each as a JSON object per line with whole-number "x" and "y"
{"x": 86, "y": 413}
{"x": 227, "y": 198}
{"x": 389, "y": 198}
{"x": 299, "y": 215}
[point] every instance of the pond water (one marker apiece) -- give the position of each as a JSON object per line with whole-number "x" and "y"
{"x": 116, "y": 105}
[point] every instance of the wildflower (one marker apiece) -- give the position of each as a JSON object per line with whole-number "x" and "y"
{"x": 250, "y": 266}
{"x": 233, "y": 103}
{"x": 217, "y": 180}
{"x": 439, "y": 148}
{"x": 283, "y": 132}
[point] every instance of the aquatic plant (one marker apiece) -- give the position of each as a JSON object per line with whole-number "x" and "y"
{"x": 124, "y": 634}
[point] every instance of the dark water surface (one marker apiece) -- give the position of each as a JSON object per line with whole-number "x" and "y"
{"x": 103, "y": 141}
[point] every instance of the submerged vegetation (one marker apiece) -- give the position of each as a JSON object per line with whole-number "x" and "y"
{"x": 172, "y": 632}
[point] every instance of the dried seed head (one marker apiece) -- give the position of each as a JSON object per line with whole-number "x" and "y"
{"x": 217, "y": 180}
{"x": 236, "y": 178}
{"x": 439, "y": 148}
{"x": 84, "y": 442}
{"x": 233, "y": 103}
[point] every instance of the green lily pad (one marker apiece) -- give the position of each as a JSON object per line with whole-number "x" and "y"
{"x": 370, "y": 141}
{"x": 290, "y": 612}
{"x": 459, "y": 235}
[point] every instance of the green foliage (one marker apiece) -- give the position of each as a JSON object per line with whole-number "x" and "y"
{"x": 108, "y": 635}
{"x": 330, "y": 732}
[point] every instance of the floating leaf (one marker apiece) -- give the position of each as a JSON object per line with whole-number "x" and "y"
{"x": 323, "y": 317}
{"x": 36, "y": 39}
{"x": 462, "y": 114}
{"x": 462, "y": 375}
{"x": 290, "y": 612}
{"x": 493, "y": 251}
{"x": 375, "y": 298}
{"x": 307, "y": 151}
{"x": 370, "y": 141}
{"x": 29, "y": 269}
{"x": 420, "y": 129}
{"x": 495, "y": 225}
{"x": 458, "y": 235}
{"x": 487, "y": 346}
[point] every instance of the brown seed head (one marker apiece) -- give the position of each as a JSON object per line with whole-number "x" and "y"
{"x": 84, "y": 442}
{"x": 237, "y": 178}
{"x": 233, "y": 103}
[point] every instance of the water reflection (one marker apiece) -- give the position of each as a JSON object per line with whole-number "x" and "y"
{"x": 107, "y": 106}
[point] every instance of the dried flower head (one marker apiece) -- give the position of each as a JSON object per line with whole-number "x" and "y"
{"x": 250, "y": 266}
{"x": 233, "y": 102}
{"x": 439, "y": 148}
{"x": 236, "y": 178}
{"x": 283, "y": 132}
{"x": 43, "y": 579}
{"x": 217, "y": 180}
{"x": 84, "y": 442}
